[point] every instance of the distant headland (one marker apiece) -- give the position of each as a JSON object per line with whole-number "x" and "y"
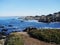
{"x": 55, "y": 17}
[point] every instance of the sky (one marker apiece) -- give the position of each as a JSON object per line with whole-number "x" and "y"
{"x": 28, "y": 7}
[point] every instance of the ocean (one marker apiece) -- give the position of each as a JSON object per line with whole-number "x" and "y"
{"x": 20, "y": 24}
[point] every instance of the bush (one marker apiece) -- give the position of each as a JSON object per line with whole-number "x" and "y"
{"x": 48, "y": 35}
{"x": 14, "y": 39}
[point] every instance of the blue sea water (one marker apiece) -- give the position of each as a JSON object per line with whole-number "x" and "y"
{"x": 20, "y": 25}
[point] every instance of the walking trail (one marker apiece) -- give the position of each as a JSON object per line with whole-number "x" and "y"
{"x": 31, "y": 41}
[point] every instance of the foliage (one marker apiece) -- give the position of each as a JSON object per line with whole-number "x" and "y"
{"x": 48, "y": 35}
{"x": 15, "y": 39}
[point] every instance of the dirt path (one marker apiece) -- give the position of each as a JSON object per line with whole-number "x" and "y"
{"x": 31, "y": 41}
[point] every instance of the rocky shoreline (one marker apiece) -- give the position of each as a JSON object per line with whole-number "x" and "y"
{"x": 55, "y": 17}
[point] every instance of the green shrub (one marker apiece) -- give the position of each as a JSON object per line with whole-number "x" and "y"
{"x": 14, "y": 39}
{"x": 48, "y": 35}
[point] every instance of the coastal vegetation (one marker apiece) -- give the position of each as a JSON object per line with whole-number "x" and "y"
{"x": 14, "y": 39}
{"x": 22, "y": 38}
{"x": 47, "y": 35}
